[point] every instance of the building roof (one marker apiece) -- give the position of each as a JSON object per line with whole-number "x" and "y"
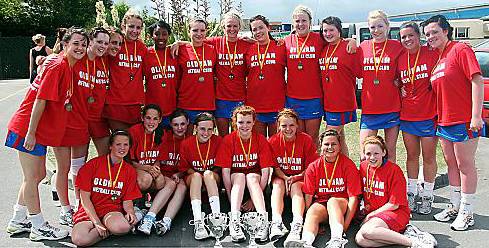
{"x": 475, "y": 11}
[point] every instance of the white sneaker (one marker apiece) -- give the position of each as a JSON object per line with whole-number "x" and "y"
{"x": 200, "y": 232}
{"x": 66, "y": 218}
{"x": 262, "y": 233}
{"x": 425, "y": 207}
{"x": 413, "y": 205}
{"x": 411, "y": 231}
{"x": 295, "y": 232}
{"x": 464, "y": 220}
{"x": 448, "y": 214}
{"x": 297, "y": 243}
{"x": 16, "y": 227}
{"x": 277, "y": 230}
{"x": 423, "y": 240}
{"x": 146, "y": 225}
{"x": 47, "y": 232}
{"x": 235, "y": 230}
{"x": 336, "y": 243}
{"x": 161, "y": 227}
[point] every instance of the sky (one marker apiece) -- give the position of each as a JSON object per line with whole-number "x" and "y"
{"x": 347, "y": 10}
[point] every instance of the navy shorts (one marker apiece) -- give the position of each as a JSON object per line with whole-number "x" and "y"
{"x": 224, "y": 108}
{"x": 340, "y": 118}
{"x": 307, "y": 109}
{"x": 192, "y": 114}
{"x": 379, "y": 121}
{"x": 426, "y": 128}
{"x": 267, "y": 118}
{"x": 16, "y": 141}
{"x": 459, "y": 132}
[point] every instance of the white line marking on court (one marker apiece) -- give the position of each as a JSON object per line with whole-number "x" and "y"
{"x": 13, "y": 94}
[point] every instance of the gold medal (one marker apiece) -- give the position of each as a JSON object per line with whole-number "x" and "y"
{"x": 113, "y": 197}
{"x": 68, "y": 107}
{"x": 261, "y": 76}
{"x": 107, "y": 87}
{"x": 300, "y": 66}
{"x": 163, "y": 84}
{"x": 131, "y": 77}
{"x": 376, "y": 81}
{"x": 201, "y": 79}
{"x": 91, "y": 99}
{"x": 231, "y": 76}
{"x": 326, "y": 79}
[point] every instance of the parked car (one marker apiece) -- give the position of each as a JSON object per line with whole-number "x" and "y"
{"x": 482, "y": 55}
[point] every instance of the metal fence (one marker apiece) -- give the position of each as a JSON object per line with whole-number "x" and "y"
{"x": 14, "y": 56}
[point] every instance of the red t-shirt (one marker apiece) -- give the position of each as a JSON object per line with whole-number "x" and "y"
{"x": 193, "y": 94}
{"x": 94, "y": 177}
{"x": 171, "y": 157}
{"x": 419, "y": 102}
{"x": 267, "y": 95}
{"x": 233, "y": 155}
{"x": 19, "y": 123}
{"x": 293, "y": 157}
{"x": 99, "y": 79}
{"x": 384, "y": 97}
{"x": 123, "y": 90}
{"x": 189, "y": 154}
{"x": 344, "y": 180}
{"x": 78, "y": 118}
{"x": 227, "y": 88}
{"x": 451, "y": 80}
{"x": 339, "y": 79}
{"x": 161, "y": 90}
{"x": 148, "y": 153}
{"x": 388, "y": 185}
{"x": 305, "y": 83}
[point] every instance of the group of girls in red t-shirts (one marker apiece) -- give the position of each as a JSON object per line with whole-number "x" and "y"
{"x": 96, "y": 87}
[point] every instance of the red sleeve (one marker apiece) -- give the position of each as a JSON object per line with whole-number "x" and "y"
{"x": 468, "y": 62}
{"x": 310, "y": 181}
{"x": 310, "y": 151}
{"x": 224, "y": 156}
{"x": 353, "y": 182}
{"x": 84, "y": 179}
{"x": 398, "y": 194}
{"x": 184, "y": 163}
{"x": 131, "y": 191}
{"x": 265, "y": 154}
{"x": 50, "y": 81}
{"x": 134, "y": 136}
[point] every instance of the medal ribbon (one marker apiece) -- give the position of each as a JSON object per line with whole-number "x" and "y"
{"x": 327, "y": 59}
{"x": 69, "y": 92}
{"x": 299, "y": 49}
{"x": 107, "y": 75}
{"x": 330, "y": 180}
{"x": 152, "y": 143}
{"x": 201, "y": 64}
{"x": 370, "y": 183}
{"x": 247, "y": 155}
{"x": 377, "y": 65}
{"x": 90, "y": 82}
{"x": 261, "y": 60}
{"x": 127, "y": 54}
{"x": 439, "y": 58}
{"x": 204, "y": 162}
{"x": 233, "y": 59}
{"x": 162, "y": 68}
{"x": 412, "y": 71}
{"x": 285, "y": 151}
{"x": 113, "y": 183}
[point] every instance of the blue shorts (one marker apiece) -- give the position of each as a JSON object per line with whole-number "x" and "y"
{"x": 379, "y": 121}
{"x": 267, "y": 118}
{"x": 459, "y": 132}
{"x": 306, "y": 108}
{"x": 426, "y": 128}
{"x": 224, "y": 108}
{"x": 17, "y": 142}
{"x": 192, "y": 114}
{"x": 339, "y": 118}
{"x": 165, "y": 122}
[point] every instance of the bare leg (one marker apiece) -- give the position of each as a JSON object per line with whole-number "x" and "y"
{"x": 391, "y": 135}
{"x": 465, "y": 155}
{"x": 428, "y": 145}
{"x": 63, "y": 159}
{"x": 451, "y": 160}
{"x": 238, "y": 182}
{"x": 297, "y": 199}
{"x": 316, "y": 214}
{"x": 222, "y": 126}
{"x": 84, "y": 234}
{"x": 33, "y": 170}
{"x": 260, "y": 128}
{"x": 376, "y": 233}
{"x": 277, "y": 199}
{"x": 272, "y": 129}
{"x": 256, "y": 193}
{"x": 312, "y": 128}
{"x": 413, "y": 149}
{"x": 116, "y": 223}
{"x": 144, "y": 180}
{"x": 176, "y": 201}
{"x": 102, "y": 145}
{"x": 163, "y": 195}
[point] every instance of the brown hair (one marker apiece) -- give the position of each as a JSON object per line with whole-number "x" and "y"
{"x": 375, "y": 140}
{"x": 243, "y": 110}
{"x": 329, "y": 132}
{"x": 287, "y": 113}
{"x": 129, "y": 14}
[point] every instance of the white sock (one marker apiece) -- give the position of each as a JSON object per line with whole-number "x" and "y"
{"x": 65, "y": 209}
{"x": 428, "y": 189}
{"x": 20, "y": 213}
{"x": 467, "y": 202}
{"x": 77, "y": 204}
{"x": 412, "y": 186}
{"x": 276, "y": 218}
{"x": 308, "y": 237}
{"x": 297, "y": 219}
{"x": 167, "y": 221}
{"x": 215, "y": 205}
{"x": 37, "y": 220}
{"x": 336, "y": 230}
{"x": 455, "y": 196}
{"x": 197, "y": 209}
